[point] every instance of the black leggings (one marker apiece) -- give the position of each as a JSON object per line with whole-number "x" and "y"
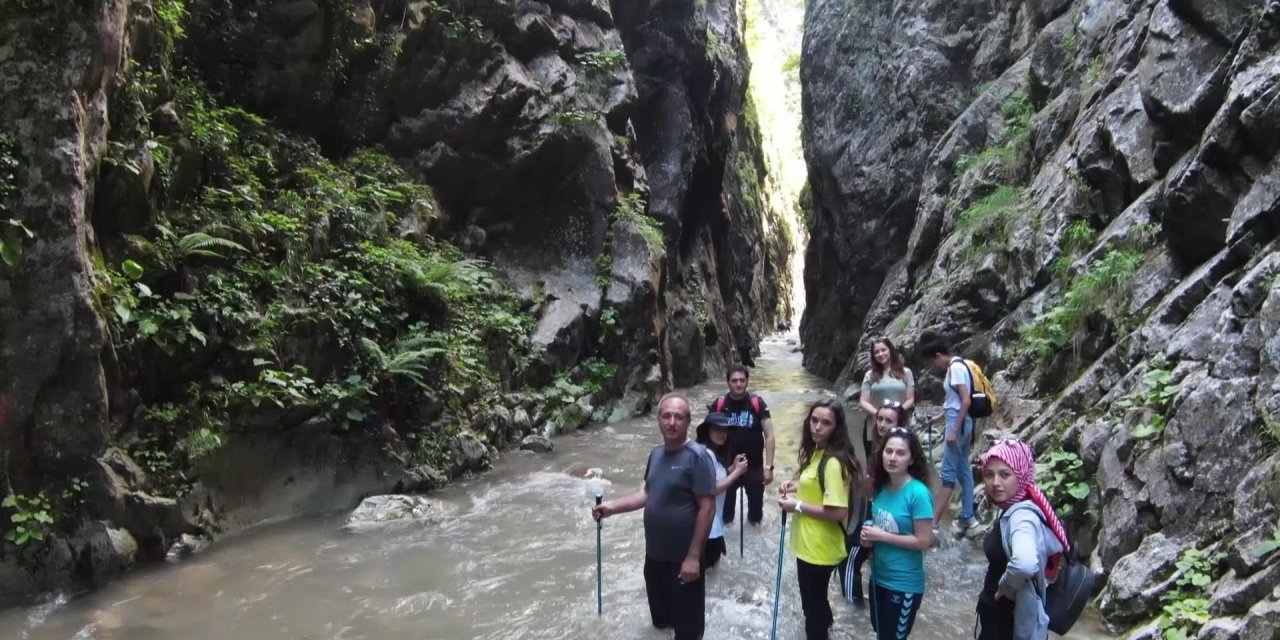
{"x": 893, "y": 613}
{"x": 995, "y": 621}
{"x": 753, "y": 483}
{"x": 813, "y": 580}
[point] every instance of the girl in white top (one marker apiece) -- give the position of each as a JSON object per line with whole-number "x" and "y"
{"x": 713, "y": 434}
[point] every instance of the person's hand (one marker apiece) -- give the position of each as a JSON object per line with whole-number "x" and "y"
{"x": 739, "y": 462}
{"x": 871, "y": 535}
{"x": 789, "y": 486}
{"x": 788, "y": 503}
{"x": 951, "y": 437}
{"x": 1006, "y": 593}
{"x": 602, "y": 510}
{"x": 690, "y": 570}
{"x": 768, "y": 475}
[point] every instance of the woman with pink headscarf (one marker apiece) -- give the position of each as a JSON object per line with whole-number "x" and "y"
{"x": 1018, "y": 549}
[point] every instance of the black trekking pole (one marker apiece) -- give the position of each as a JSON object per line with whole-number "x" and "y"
{"x": 599, "y": 572}
{"x": 742, "y": 520}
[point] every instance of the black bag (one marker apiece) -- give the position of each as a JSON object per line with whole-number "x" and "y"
{"x": 1066, "y": 597}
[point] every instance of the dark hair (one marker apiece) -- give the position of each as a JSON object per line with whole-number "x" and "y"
{"x": 838, "y": 445}
{"x": 933, "y": 346}
{"x": 897, "y": 367}
{"x": 737, "y": 368}
{"x": 721, "y": 452}
{"x": 919, "y": 467}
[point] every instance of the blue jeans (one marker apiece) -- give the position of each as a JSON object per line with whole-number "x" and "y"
{"x": 955, "y": 463}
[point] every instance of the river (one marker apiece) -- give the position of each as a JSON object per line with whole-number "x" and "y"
{"x": 516, "y": 560}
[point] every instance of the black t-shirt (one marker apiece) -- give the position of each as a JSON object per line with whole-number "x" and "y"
{"x": 746, "y": 431}
{"x": 997, "y": 562}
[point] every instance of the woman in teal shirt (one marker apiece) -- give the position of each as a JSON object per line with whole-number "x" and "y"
{"x": 899, "y": 533}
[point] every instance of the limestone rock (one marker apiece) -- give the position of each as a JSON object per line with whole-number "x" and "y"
{"x": 536, "y": 443}
{"x": 396, "y": 509}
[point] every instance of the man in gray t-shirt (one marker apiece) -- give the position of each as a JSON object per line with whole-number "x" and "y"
{"x": 679, "y": 501}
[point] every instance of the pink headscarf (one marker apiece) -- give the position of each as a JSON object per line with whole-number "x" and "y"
{"x": 1022, "y": 460}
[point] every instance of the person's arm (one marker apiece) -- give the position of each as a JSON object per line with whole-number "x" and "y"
{"x": 920, "y": 540}
{"x": 864, "y": 397}
{"x": 1024, "y": 555}
{"x": 691, "y": 568}
{"x": 835, "y": 503}
{"x": 909, "y": 400}
{"x": 962, "y": 390}
{"x": 624, "y": 504}
{"x": 735, "y": 471}
{"x": 767, "y": 426}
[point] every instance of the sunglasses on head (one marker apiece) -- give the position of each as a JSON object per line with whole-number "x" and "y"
{"x": 890, "y": 403}
{"x": 899, "y": 431}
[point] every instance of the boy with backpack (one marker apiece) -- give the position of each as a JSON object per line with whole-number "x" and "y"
{"x": 751, "y": 434}
{"x": 962, "y": 403}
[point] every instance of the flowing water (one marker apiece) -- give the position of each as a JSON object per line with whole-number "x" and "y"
{"x": 516, "y": 560}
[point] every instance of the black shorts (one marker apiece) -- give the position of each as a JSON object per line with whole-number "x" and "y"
{"x": 712, "y": 551}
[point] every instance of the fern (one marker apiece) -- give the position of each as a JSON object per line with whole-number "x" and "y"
{"x": 200, "y": 243}
{"x": 408, "y": 358}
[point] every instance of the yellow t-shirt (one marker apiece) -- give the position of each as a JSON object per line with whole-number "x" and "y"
{"x": 817, "y": 541}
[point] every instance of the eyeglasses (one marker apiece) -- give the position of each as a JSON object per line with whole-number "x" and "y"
{"x": 891, "y": 403}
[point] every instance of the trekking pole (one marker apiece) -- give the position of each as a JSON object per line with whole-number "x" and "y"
{"x": 599, "y": 573}
{"x": 777, "y": 586}
{"x": 742, "y": 521}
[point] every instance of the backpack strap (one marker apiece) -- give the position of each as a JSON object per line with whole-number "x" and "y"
{"x": 719, "y": 404}
{"x": 968, "y": 371}
{"x": 1006, "y": 539}
{"x": 755, "y": 403}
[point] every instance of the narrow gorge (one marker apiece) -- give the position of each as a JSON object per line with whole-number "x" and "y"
{"x": 263, "y": 258}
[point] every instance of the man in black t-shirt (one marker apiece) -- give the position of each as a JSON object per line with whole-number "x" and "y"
{"x": 751, "y": 434}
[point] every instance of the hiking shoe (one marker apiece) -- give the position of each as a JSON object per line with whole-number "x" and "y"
{"x": 965, "y": 524}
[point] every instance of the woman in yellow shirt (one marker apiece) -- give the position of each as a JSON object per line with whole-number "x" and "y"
{"x": 821, "y": 507}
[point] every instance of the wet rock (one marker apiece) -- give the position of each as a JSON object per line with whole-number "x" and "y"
{"x": 536, "y": 443}
{"x": 186, "y": 546}
{"x": 1234, "y": 595}
{"x": 424, "y": 478}
{"x": 1132, "y": 586}
{"x": 470, "y": 452}
{"x": 107, "y": 551}
{"x": 521, "y": 423}
{"x": 396, "y": 509}
{"x": 35, "y": 567}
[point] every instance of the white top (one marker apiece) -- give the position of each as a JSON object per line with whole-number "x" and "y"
{"x": 957, "y": 373}
{"x": 717, "y": 522}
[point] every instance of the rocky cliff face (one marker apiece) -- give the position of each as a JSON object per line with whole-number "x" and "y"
{"x": 241, "y": 233}
{"x": 1084, "y": 196}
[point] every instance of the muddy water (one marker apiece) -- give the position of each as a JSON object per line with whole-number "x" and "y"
{"x": 516, "y": 560}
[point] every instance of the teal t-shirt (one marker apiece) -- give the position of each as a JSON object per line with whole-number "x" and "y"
{"x": 893, "y": 567}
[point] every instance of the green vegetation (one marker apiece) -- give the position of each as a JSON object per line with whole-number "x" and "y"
{"x": 1266, "y": 547}
{"x": 1158, "y": 390}
{"x": 1061, "y": 476}
{"x": 1076, "y": 240}
{"x": 717, "y": 48}
{"x": 1185, "y": 607}
{"x": 1102, "y": 289}
{"x": 281, "y": 274}
{"x": 987, "y": 222}
{"x": 1071, "y": 42}
{"x": 13, "y": 233}
{"x": 601, "y": 60}
{"x": 631, "y": 209}
{"x": 1093, "y": 72}
{"x": 29, "y": 518}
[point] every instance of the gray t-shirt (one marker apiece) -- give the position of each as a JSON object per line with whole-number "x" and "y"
{"x": 673, "y": 481}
